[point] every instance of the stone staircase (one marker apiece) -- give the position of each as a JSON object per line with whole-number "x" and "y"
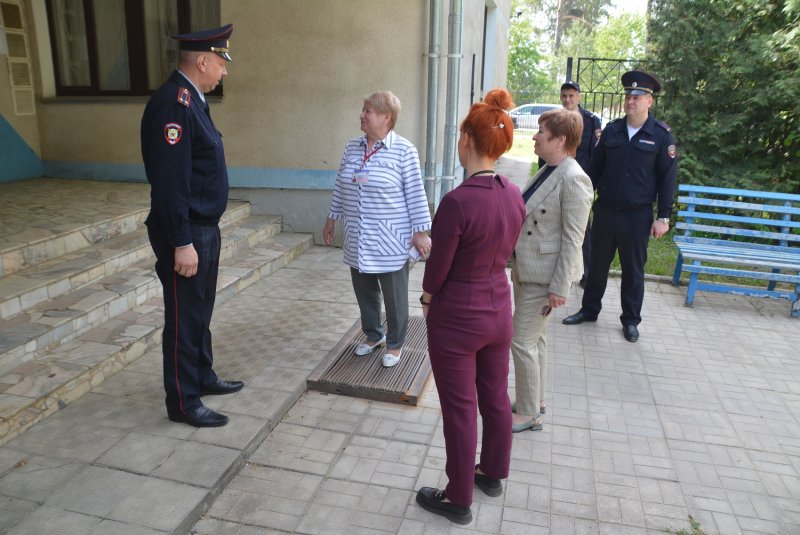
{"x": 79, "y": 297}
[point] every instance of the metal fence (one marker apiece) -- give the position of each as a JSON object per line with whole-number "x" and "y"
{"x": 601, "y": 90}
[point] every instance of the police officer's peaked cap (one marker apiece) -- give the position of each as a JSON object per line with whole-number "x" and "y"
{"x": 215, "y": 40}
{"x": 571, "y": 84}
{"x": 640, "y": 83}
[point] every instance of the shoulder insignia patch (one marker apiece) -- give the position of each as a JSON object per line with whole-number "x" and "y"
{"x": 173, "y": 133}
{"x": 184, "y": 97}
{"x": 672, "y": 151}
{"x": 664, "y": 125}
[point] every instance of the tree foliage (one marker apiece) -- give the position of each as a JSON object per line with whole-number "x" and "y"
{"x": 544, "y": 33}
{"x": 525, "y": 59}
{"x": 731, "y": 76}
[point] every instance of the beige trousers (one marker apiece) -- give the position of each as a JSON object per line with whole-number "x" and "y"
{"x": 529, "y": 345}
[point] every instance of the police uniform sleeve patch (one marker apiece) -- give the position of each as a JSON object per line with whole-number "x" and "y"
{"x": 173, "y": 133}
{"x": 672, "y": 151}
{"x": 184, "y": 97}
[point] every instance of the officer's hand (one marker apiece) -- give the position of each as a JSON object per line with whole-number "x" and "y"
{"x": 327, "y": 230}
{"x": 186, "y": 261}
{"x": 658, "y": 229}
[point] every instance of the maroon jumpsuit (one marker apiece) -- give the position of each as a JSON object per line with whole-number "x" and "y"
{"x": 470, "y": 327}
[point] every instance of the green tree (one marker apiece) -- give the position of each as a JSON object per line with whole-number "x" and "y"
{"x": 526, "y": 72}
{"x": 731, "y": 76}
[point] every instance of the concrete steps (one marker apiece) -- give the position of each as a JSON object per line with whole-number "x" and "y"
{"x": 70, "y": 321}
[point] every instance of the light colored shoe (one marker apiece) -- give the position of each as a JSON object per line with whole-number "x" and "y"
{"x": 534, "y": 424}
{"x": 366, "y": 349}
{"x": 390, "y": 360}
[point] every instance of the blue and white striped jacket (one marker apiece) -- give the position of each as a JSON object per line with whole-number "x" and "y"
{"x": 382, "y": 214}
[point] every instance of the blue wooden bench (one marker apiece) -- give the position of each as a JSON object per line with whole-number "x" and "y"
{"x": 770, "y": 224}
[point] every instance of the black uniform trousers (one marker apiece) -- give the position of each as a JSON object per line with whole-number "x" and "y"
{"x": 188, "y": 305}
{"x": 626, "y": 231}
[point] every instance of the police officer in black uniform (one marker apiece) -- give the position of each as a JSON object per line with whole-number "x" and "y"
{"x": 634, "y": 164}
{"x": 185, "y": 165}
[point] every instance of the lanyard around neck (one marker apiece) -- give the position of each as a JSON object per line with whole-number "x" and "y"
{"x": 378, "y": 146}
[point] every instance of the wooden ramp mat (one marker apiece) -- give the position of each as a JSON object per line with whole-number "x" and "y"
{"x": 343, "y": 372}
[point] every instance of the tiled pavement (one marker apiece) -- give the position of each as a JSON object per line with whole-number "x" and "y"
{"x": 698, "y": 418}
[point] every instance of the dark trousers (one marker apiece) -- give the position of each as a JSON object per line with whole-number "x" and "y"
{"x": 394, "y": 286}
{"x": 587, "y": 249}
{"x": 469, "y": 359}
{"x": 188, "y": 305}
{"x": 626, "y": 231}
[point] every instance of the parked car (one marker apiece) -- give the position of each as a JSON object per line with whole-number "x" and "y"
{"x": 527, "y": 115}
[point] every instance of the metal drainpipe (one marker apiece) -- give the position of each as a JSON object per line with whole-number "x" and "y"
{"x": 453, "y": 83}
{"x": 434, "y": 48}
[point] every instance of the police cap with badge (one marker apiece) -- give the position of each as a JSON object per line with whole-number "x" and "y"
{"x": 571, "y": 84}
{"x": 640, "y": 83}
{"x": 215, "y": 40}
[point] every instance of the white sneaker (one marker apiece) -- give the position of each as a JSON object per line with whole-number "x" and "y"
{"x": 366, "y": 349}
{"x": 390, "y": 360}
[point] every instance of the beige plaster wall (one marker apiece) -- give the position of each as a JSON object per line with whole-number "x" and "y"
{"x": 300, "y": 71}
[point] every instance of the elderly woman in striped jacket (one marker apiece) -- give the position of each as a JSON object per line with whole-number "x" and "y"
{"x": 380, "y": 198}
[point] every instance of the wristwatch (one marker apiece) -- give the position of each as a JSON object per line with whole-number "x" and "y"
{"x": 664, "y": 220}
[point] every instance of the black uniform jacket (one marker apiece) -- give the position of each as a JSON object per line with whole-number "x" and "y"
{"x": 184, "y": 161}
{"x": 630, "y": 174}
{"x": 589, "y": 138}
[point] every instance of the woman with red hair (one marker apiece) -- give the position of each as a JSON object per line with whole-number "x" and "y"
{"x": 466, "y": 300}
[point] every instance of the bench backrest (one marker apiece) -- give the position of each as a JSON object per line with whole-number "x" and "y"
{"x": 771, "y": 218}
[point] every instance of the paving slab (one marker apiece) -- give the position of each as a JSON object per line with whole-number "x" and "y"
{"x": 698, "y": 418}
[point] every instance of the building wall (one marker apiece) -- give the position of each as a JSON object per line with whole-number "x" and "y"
{"x": 292, "y": 96}
{"x": 20, "y": 148}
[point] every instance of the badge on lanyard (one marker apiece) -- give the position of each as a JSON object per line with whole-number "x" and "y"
{"x": 360, "y": 175}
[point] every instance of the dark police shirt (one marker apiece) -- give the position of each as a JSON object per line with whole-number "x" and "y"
{"x": 589, "y": 139}
{"x": 184, "y": 161}
{"x": 630, "y": 174}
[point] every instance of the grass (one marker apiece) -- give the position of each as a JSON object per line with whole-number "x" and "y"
{"x": 696, "y": 528}
{"x": 523, "y": 145}
{"x": 661, "y": 256}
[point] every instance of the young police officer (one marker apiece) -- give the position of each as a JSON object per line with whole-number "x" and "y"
{"x": 185, "y": 165}
{"x": 633, "y": 165}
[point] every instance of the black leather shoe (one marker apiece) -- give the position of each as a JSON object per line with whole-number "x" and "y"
{"x": 490, "y": 487}
{"x": 202, "y": 416}
{"x": 630, "y": 332}
{"x": 578, "y": 318}
{"x": 432, "y": 500}
{"x": 221, "y": 388}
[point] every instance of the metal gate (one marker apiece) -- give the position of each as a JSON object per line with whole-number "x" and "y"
{"x": 601, "y": 90}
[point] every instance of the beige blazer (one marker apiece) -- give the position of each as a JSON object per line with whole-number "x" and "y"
{"x": 548, "y": 249}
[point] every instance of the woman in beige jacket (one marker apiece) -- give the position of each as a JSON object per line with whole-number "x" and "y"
{"x": 547, "y": 256}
